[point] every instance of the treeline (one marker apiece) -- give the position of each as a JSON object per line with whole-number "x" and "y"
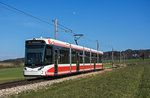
{"x": 17, "y": 62}
{"x": 127, "y": 54}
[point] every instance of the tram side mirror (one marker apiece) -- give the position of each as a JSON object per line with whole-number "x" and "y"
{"x": 48, "y": 52}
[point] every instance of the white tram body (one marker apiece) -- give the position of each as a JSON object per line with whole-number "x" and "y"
{"x": 49, "y": 57}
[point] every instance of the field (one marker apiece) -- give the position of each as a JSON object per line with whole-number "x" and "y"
{"x": 6, "y": 65}
{"x": 9, "y": 65}
{"x": 11, "y": 74}
{"x": 106, "y": 65}
{"x": 130, "y": 82}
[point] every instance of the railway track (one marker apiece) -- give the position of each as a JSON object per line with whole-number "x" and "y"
{"x": 30, "y": 81}
{"x": 19, "y": 83}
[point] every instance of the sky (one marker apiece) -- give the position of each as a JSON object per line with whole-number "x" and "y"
{"x": 121, "y": 24}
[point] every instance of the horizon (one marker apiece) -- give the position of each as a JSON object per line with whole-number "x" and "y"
{"x": 119, "y": 24}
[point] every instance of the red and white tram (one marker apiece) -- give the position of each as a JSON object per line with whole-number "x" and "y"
{"x": 49, "y": 57}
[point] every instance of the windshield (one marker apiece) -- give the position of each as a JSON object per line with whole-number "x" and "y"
{"x": 34, "y": 54}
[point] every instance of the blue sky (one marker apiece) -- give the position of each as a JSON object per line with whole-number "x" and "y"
{"x": 123, "y": 24}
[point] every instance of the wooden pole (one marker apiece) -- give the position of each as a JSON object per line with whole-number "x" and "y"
{"x": 112, "y": 57}
{"x": 124, "y": 57}
{"x": 55, "y": 29}
{"x": 97, "y": 45}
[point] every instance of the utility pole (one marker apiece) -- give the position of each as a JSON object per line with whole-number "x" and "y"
{"x": 97, "y": 45}
{"x": 112, "y": 57}
{"x": 55, "y": 29}
{"x": 120, "y": 58}
{"x": 124, "y": 57}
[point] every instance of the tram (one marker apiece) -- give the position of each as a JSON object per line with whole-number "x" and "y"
{"x": 49, "y": 57}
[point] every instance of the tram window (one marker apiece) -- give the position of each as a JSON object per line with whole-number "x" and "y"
{"x": 81, "y": 56}
{"x": 48, "y": 55}
{"x": 97, "y": 58}
{"x": 94, "y": 57}
{"x": 100, "y": 58}
{"x": 87, "y": 57}
{"x": 49, "y": 52}
{"x": 74, "y": 56}
{"x": 64, "y": 57}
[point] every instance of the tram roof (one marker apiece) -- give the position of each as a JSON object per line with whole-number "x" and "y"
{"x": 65, "y": 44}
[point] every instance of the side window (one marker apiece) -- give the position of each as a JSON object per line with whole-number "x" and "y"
{"x": 94, "y": 58}
{"x": 48, "y": 52}
{"x": 100, "y": 58}
{"x": 87, "y": 57}
{"x": 74, "y": 56}
{"x": 64, "y": 56}
{"x": 81, "y": 56}
{"x": 97, "y": 57}
{"x": 48, "y": 55}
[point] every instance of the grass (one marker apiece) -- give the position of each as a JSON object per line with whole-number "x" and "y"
{"x": 107, "y": 65}
{"x": 6, "y": 65}
{"x": 11, "y": 74}
{"x": 130, "y": 82}
{"x": 10, "y": 65}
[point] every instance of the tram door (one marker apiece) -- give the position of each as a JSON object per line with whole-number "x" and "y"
{"x": 56, "y": 62}
{"x": 78, "y": 61}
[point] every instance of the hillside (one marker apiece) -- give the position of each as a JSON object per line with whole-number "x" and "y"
{"x": 128, "y": 54}
{"x": 18, "y": 60}
{"x": 12, "y": 62}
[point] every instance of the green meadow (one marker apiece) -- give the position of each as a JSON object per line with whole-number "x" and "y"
{"x": 11, "y": 74}
{"x": 131, "y": 81}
